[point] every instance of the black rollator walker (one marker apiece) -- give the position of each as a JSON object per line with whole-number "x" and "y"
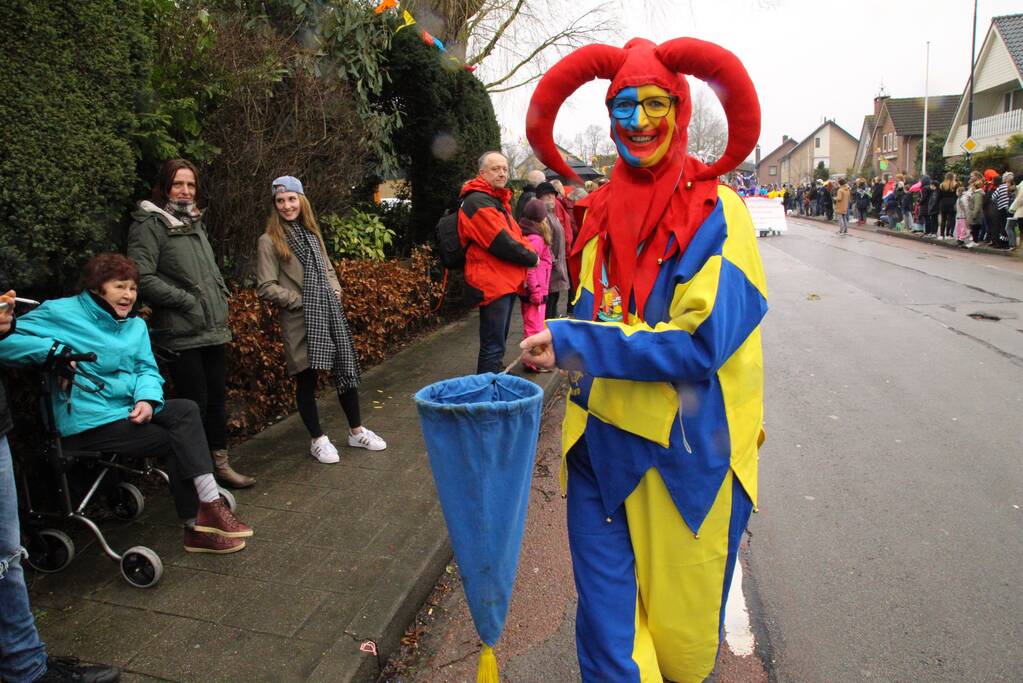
{"x": 51, "y": 550}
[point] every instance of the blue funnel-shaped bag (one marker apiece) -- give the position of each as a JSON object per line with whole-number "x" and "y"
{"x": 480, "y": 433}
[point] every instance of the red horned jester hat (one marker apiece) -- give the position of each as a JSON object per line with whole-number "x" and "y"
{"x": 646, "y": 206}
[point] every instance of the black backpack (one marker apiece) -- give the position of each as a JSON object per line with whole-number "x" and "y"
{"x": 449, "y": 247}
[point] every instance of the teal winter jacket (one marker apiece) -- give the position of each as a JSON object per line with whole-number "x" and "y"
{"x": 124, "y": 359}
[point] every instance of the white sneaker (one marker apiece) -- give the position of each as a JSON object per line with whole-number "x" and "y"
{"x": 324, "y": 451}
{"x": 366, "y": 439}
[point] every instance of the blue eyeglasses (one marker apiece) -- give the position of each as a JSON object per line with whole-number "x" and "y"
{"x": 655, "y": 107}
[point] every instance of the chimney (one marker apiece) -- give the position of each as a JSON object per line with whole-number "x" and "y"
{"x": 756, "y": 158}
{"x": 878, "y": 102}
{"x": 784, "y": 139}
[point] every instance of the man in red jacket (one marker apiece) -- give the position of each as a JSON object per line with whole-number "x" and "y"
{"x": 496, "y": 255}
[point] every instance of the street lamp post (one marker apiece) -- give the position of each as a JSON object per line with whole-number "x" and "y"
{"x": 927, "y": 69}
{"x": 973, "y": 68}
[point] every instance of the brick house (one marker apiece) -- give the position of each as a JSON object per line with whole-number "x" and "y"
{"x": 899, "y": 127}
{"x": 768, "y": 169}
{"x": 829, "y": 143}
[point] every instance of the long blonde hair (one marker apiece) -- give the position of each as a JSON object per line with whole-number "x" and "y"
{"x": 950, "y": 183}
{"x": 545, "y": 231}
{"x": 275, "y": 227}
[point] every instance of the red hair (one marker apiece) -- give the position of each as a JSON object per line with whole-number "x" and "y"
{"x": 106, "y": 267}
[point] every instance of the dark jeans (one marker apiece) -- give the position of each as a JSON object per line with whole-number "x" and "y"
{"x": 305, "y": 397}
{"x": 175, "y": 433}
{"x": 495, "y": 320}
{"x": 200, "y": 375}
{"x": 551, "y": 312}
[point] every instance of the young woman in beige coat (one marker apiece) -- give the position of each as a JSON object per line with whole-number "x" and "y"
{"x": 294, "y": 272}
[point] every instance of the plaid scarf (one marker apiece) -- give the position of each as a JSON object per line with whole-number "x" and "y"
{"x": 186, "y": 212}
{"x": 329, "y": 339}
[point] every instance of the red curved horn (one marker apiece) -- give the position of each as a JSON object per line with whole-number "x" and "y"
{"x": 564, "y": 78}
{"x": 728, "y": 78}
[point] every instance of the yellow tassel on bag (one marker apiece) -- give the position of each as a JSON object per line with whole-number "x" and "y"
{"x": 487, "y": 672}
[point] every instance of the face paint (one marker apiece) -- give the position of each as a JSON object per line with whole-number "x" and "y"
{"x": 642, "y": 140}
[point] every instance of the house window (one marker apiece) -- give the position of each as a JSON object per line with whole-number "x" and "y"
{"x": 772, "y": 170}
{"x": 1012, "y": 100}
{"x": 817, "y": 142}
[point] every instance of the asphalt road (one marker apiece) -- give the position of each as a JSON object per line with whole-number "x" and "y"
{"x": 889, "y": 541}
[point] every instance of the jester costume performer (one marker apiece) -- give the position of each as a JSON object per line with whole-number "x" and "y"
{"x": 664, "y": 419}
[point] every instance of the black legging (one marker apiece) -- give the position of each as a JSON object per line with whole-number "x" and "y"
{"x": 948, "y": 222}
{"x": 200, "y": 375}
{"x": 305, "y": 396}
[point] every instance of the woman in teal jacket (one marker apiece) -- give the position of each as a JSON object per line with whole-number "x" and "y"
{"x": 127, "y": 414}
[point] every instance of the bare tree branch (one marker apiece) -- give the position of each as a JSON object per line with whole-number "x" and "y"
{"x": 553, "y": 40}
{"x": 708, "y": 134}
{"x": 507, "y": 39}
{"x": 498, "y": 34}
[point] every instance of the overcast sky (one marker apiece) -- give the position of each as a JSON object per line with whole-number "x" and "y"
{"x": 808, "y": 60}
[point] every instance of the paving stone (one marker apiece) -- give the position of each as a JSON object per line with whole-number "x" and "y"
{"x": 185, "y": 592}
{"x": 133, "y": 677}
{"x": 287, "y": 527}
{"x": 347, "y": 530}
{"x": 204, "y": 652}
{"x": 327, "y": 622}
{"x": 277, "y": 563}
{"x": 275, "y": 608}
{"x": 101, "y": 638}
{"x": 343, "y": 572}
{"x": 286, "y": 496}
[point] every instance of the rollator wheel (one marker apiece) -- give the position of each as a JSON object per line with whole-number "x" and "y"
{"x": 127, "y": 501}
{"x": 141, "y": 567}
{"x": 228, "y": 497}
{"x": 50, "y": 551}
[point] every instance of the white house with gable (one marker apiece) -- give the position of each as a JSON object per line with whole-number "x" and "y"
{"x": 998, "y": 91}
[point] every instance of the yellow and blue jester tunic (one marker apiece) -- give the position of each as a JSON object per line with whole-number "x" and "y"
{"x": 660, "y": 442}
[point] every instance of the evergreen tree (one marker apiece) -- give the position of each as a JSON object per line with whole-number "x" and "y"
{"x": 69, "y": 76}
{"x": 447, "y": 123}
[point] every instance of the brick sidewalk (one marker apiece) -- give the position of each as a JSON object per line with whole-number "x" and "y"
{"x": 342, "y": 554}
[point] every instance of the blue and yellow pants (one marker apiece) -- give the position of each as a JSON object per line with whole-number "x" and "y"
{"x": 651, "y": 593}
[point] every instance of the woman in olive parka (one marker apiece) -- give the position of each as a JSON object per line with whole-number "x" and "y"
{"x": 180, "y": 280}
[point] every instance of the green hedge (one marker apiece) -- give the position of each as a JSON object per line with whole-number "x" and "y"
{"x": 69, "y": 76}
{"x": 448, "y": 122}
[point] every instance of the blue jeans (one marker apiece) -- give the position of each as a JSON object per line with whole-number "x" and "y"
{"x": 22, "y": 655}
{"x": 495, "y": 320}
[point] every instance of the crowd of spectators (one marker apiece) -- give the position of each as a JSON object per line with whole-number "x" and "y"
{"x": 983, "y": 209}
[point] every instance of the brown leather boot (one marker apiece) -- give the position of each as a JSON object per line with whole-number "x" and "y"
{"x": 217, "y": 518}
{"x": 225, "y": 474}
{"x": 203, "y": 542}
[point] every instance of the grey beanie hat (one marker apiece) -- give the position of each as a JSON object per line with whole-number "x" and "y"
{"x": 286, "y": 183}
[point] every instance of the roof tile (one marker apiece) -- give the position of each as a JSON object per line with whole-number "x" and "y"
{"x": 1010, "y": 27}
{"x": 907, "y": 113}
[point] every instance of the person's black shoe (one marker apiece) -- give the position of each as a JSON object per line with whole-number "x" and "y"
{"x": 64, "y": 669}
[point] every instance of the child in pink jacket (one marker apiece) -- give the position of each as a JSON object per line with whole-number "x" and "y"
{"x": 538, "y": 278}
